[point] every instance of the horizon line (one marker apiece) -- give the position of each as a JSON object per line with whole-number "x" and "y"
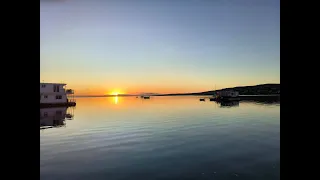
{"x": 111, "y": 95}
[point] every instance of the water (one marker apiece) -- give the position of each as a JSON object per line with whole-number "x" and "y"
{"x": 161, "y": 138}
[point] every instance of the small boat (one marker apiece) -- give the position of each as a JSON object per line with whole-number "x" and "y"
{"x": 146, "y": 97}
{"x": 202, "y": 99}
{"x": 214, "y": 98}
{"x": 226, "y": 96}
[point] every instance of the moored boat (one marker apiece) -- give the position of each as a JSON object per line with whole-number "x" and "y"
{"x": 226, "y": 96}
{"x": 55, "y": 95}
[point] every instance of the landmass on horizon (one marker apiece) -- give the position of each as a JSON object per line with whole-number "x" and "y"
{"x": 261, "y": 89}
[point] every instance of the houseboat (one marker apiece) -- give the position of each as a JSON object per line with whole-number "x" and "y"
{"x": 226, "y": 96}
{"x": 55, "y": 94}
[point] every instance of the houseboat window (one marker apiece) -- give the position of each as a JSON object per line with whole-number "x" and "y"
{"x": 45, "y": 96}
{"x": 58, "y": 97}
{"x": 55, "y": 88}
{"x": 58, "y": 112}
{"x": 45, "y": 114}
{"x": 43, "y": 85}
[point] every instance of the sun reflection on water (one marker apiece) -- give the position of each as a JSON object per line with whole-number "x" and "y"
{"x": 115, "y": 100}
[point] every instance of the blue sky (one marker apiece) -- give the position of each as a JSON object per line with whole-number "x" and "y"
{"x": 168, "y": 46}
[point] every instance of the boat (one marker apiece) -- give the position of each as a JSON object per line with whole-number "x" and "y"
{"x": 202, "y": 99}
{"x": 56, "y": 95}
{"x": 146, "y": 97}
{"x": 226, "y": 96}
{"x": 214, "y": 98}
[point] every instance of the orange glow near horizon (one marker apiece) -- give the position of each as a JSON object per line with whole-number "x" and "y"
{"x": 94, "y": 89}
{"x": 167, "y": 83}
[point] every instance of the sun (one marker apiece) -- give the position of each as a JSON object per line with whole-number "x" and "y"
{"x": 116, "y": 92}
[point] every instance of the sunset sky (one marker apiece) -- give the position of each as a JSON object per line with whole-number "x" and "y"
{"x": 159, "y": 46}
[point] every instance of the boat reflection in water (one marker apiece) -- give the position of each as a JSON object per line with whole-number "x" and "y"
{"x": 228, "y": 104}
{"x": 264, "y": 100}
{"x": 55, "y": 117}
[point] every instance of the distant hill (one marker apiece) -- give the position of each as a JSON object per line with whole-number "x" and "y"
{"x": 262, "y": 89}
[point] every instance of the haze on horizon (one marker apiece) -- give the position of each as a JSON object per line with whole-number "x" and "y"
{"x": 124, "y": 46}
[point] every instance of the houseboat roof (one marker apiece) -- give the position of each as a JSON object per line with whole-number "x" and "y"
{"x": 54, "y": 83}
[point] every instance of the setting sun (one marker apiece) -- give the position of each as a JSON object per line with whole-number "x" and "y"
{"x": 116, "y": 92}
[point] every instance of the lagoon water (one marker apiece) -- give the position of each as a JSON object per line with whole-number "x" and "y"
{"x": 113, "y": 138}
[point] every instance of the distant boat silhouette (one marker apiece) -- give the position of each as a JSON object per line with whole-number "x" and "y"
{"x": 226, "y": 96}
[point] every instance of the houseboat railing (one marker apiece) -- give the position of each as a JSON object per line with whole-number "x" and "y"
{"x": 69, "y": 91}
{"x": 71, "y": 100}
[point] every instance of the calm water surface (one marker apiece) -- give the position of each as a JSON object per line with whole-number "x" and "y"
{"x": 160, "y": 138}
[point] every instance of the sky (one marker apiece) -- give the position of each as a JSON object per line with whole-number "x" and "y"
{"x": 169, "y": 46}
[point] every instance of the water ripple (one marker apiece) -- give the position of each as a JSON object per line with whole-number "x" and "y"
{"x": 192, "y": 140}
